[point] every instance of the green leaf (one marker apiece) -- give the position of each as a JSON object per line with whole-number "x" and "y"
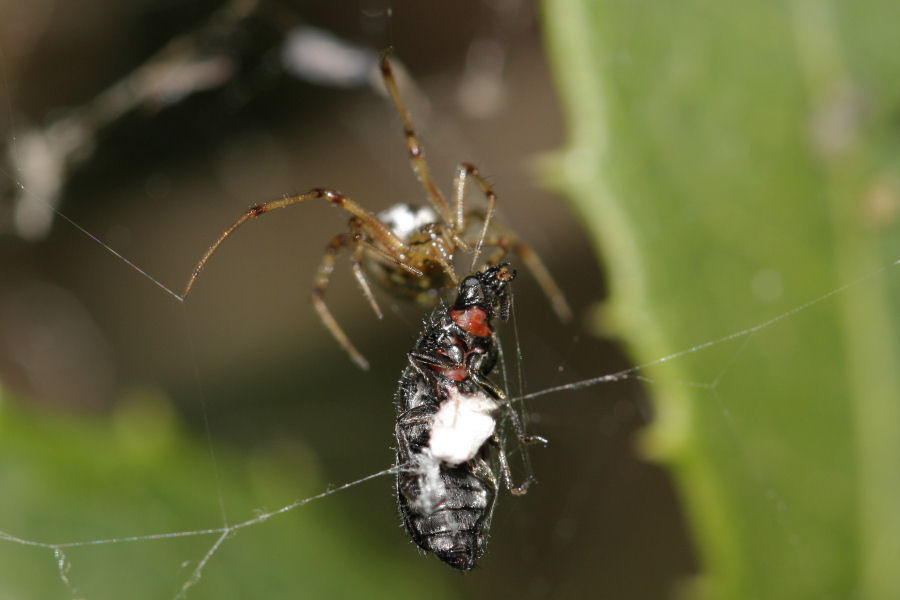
{"x": 733, "y": 163}
{"x": 67, "y": 481}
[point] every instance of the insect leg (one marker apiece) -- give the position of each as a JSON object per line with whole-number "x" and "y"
{"x": 515, "y": 490}
{"x": 406, "y": 485}
{"x": 525, "y": 439}
{"x": 476, "y": 376}
{"x": 420, "y": 360}
{"x": 474, "y": 370}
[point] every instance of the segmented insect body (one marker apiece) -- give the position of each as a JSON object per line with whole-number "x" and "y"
{"x": 447, "y": 418}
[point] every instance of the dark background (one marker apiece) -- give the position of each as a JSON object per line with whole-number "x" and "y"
{"x": 244, "y": 360}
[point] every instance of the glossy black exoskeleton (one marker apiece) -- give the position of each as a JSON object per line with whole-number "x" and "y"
{"x": 448, "y": 450}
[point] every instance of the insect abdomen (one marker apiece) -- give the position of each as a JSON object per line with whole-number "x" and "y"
{"x": 454, "y": 529}
{"x": 446, "y": 509}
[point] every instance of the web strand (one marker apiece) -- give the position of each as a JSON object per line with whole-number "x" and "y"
{"x": 223, "y": 533}
{"x": 227, "y": 531}
{"x": 629, "y": 372}
{"x": 118, "y": 255}
{"x": 199, "y": 532}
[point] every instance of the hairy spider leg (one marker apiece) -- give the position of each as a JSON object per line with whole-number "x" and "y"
{"x": 356, "y": 266}
{"x": 505, "y": 242}
{"x": 361, "y": 246}
{"x": 323, "y": 276}
{"x": 439, "y": 248}
{"x": 369, "y": 235}
{"x": 384, "y": 257}
{"x": 463, "y": 172}
{"x": 416, "y": 155}
{"x": 375, "y": 228}
{"x": 364, "y": 246}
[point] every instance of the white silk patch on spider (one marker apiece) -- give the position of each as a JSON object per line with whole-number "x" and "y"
{"x": 404, "y": 220}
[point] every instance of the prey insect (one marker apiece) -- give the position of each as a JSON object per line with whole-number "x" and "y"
{"x": 408, "y": 250}
{"x": 449, "y": 449}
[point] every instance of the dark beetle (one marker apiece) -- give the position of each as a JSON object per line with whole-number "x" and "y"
{"x": 447, "y": 416}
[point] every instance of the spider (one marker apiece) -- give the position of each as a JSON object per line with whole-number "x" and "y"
{"x": 409, "y": 250}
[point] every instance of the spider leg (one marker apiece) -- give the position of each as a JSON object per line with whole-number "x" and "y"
{"x": 436, "y": 244}
{"x": 506, "y": 242}
{"x": 438, "y": 253}
{"x": 377, "y": 230}
{"x": 363, "y": 245}
{"x": 463, "y": 172}
{"x": 363, "y": 282}
{"x": 384, "y": 257}
{"x": 323, "y": 276}
{"x": 416, "y": 156}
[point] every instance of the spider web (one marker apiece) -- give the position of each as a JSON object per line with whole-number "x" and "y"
{"x": 214, "y": 536}
{"x": 217, "y": 537}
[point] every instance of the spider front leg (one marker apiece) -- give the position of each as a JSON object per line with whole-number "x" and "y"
{"x": 368, "y": 235}
{"x": 504, "y": 240}
{"x": 380, "y": 233}
{"x": 463, "y": 172}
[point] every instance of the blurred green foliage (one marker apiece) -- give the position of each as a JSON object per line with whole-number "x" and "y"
{"x": 67, "y": 479}
{"x": 734, "y": 161}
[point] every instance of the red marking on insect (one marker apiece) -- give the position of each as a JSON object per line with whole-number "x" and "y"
{"x": 473, "y": 320}
{"x": 455, "y": 373}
